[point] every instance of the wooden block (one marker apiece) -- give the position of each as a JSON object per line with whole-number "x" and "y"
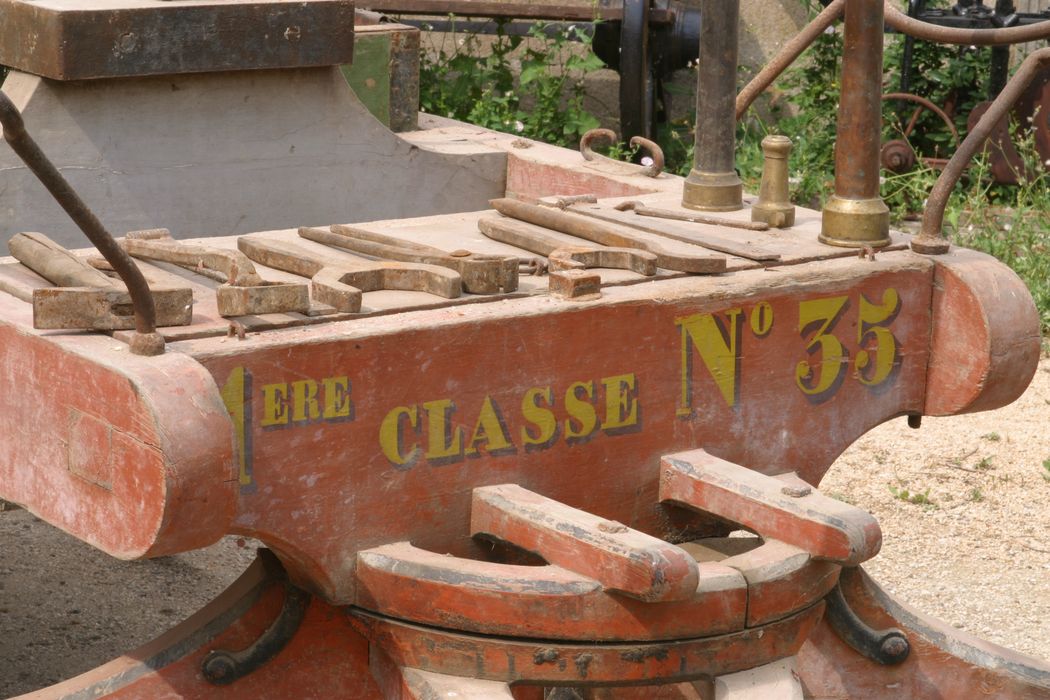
{"x": 826, "y": 528}
{"x": 577, "y": 285}
{"x": 622, "y": 559}
{"x": 78, "y": 39}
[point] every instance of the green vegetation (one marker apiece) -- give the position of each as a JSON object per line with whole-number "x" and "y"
{"x": 919, "y": 499}
{"x": 533, "y": 86}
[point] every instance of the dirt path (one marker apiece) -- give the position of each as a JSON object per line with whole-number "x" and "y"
{"x": 977, "y": 555}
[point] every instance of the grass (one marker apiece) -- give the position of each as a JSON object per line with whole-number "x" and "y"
{"x": 919, "y": 498}
{"x": 1046, "y": 470}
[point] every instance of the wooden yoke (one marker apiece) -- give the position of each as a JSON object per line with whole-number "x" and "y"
{"x": 608, "y": 584}
{"x": 620, "y": 558}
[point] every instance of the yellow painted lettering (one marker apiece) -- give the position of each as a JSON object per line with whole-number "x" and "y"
{"x": 443, "y": 439}
{"x": 392, "y": 435}
{"x": 816, "y": 321}
{"x": 546, "y": 425}
{"x": 876, "y": 340}
{"x": 236, "y": 395}
{"x": 489, "y": 430}
{"x": 305, "y": 406}
{"x": 718, "y": 343}
{"x": 337, "y": 403}
{"x": 275, "y": 405}
{"x": 621, "y": 404}
{"x": 583, "y": 419}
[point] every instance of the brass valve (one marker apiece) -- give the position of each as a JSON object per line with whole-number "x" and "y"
{"x": 773, "y": 206}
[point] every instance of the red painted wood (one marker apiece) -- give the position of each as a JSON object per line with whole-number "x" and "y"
{"x": 826, "y": 528}
{"x": 538, "y": 601}
{"x": 548, "y": 663}
{"x": 621, "y": 559}
{"x": 987, "y": 340}
{"x": 97, "y": 442}
{"x": 601, "y": 405}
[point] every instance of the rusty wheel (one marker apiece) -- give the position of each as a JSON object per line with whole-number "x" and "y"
{"x": 897, "y": 154}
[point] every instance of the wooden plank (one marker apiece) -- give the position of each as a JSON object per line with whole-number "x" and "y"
{"x": 76, "y": 40}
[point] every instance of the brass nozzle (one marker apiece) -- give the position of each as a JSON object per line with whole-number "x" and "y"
{"x": 855, "y": 223}
{"x": 773, "y": 205}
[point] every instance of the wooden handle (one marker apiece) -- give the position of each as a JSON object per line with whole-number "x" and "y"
{"x": 56, "y": 264}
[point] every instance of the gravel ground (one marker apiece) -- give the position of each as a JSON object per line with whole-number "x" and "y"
{"x": 976, "y": 555}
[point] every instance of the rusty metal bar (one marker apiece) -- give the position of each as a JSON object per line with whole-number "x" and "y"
{"x": 148, "y": 342}
{"x": 572, "y": 10}
{"x": 713, "y": 184}
{"x": 964, "y": 37}
{"x": 856, "y": 216}
{"x": 931, "y": 238}
{"x": 787, "y": 55}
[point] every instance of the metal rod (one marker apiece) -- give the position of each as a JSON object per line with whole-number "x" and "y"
{"x": 855, "y": 216}
{"x": 787, "y": 55}
{"x": 931, "y": 238}
{"x": 27, "y": 149}
{"x": 964, "y": 37}
{"x": 585, "y": 10}
{"x": 713, "y": 184}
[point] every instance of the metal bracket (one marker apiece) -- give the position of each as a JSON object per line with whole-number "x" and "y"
{"x": 222, "y": 667}
{"x": 887, "y": 647}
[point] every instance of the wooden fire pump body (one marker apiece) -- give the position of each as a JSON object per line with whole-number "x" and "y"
{"x": 480, "y": 483}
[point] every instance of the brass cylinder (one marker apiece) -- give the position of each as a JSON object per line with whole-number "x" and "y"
{"x": 774, "y": 205}
{"x": 713, "y": 184}
{"x": 855, "y": 216}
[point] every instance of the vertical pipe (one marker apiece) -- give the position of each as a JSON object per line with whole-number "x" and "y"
{"x": 713, "y": 184}
{"x": 855, "y": 215}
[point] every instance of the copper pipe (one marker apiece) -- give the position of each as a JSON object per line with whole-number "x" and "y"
{"x": 965, "y": 37}
{"x": 27, "y": 149}
{"x": 856, "y": 216}
{"x": 713, "y": 184}
{"x": 857, "y": 137}
{"x": 787, "y": 55}
{"x": 931, "y": 238}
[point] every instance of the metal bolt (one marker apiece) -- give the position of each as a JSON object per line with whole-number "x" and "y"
{"x": 796, "y": 491}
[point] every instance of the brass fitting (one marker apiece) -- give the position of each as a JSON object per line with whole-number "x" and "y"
{"x": 713, "y": 191}
{"x": 773, "y": 206}
{"x": 855, "y": 223}
{"x": 713, "y": 184}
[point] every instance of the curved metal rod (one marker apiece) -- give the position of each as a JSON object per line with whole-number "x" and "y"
{"x": 909, "y": 97}
{"x": 895, "y": 19}
{"x": 607, "y": 136}
{"x": 787, "y": 55}
{"x": 931, "y": 238}
{"x": 655, "y": 153}
{"x": 888, "y": 647}
{"x": 27, "y": 149}
{"x": 966, "y": 37}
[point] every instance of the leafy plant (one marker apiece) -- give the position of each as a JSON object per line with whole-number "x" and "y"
{"x": 531, "y": 85}
{"x": 920, "y": 499}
